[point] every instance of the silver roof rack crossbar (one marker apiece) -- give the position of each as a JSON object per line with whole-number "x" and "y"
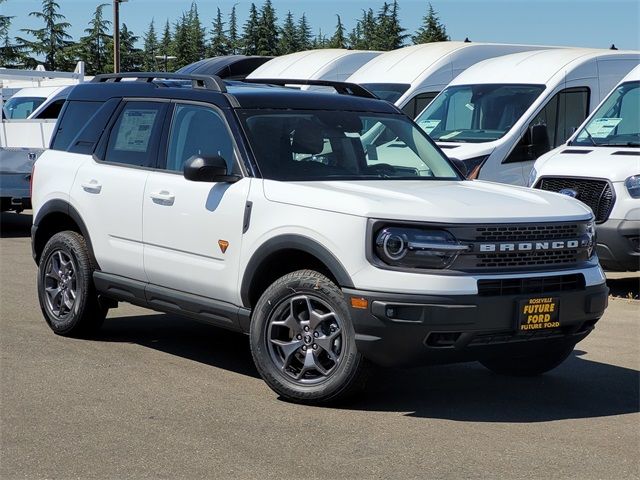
{"x": 209, "y": 82}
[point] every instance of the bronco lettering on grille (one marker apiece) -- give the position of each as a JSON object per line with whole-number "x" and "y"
{"x": 529, "y": 246}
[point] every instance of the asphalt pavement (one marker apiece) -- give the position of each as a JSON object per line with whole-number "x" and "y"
{"x": 158, "y": 396}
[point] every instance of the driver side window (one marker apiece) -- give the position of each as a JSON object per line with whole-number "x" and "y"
{"x": 197, "y": 130}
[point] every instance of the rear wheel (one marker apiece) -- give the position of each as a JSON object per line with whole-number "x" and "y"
{"x": 66, "y": 293}
{"x": 303, "y": 341}
{"x": 529, "y": 365}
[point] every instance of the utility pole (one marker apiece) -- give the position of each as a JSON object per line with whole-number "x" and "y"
{"x": 116, "y": 35}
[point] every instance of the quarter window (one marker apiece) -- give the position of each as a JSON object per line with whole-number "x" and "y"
{"x": 132, "y": 137}
{"x": 197, "y": 130}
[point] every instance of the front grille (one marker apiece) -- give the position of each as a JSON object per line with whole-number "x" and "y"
{"x": 526, "y": 259}
{"x": 597, "y": 194}
{"x": 530, "y": 286}
{"x": 523, "y": 233}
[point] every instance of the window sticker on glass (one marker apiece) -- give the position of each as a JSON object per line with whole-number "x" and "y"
{"x": 455, "y": 133}
{"x": 429, "y": 125}
{"x": 602, "y": 127}
{"x": 135, "y": 130}
{"x": 469, "y": 106}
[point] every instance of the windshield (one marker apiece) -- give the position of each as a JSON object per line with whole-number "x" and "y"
{"x": 329, "y": 145}
{"x": 390, "y": 92}
{"x": 616, "y": 122}
{"x": 21, "y": 107}
{"x": 476, "y": 113}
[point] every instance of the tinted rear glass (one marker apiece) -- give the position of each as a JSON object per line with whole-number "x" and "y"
{"x": 75, "y": 117}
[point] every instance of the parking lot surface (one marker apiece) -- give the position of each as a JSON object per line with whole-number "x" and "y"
{"x": 158, "y": 396}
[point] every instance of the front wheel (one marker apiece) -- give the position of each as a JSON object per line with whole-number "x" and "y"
{"x": 303, "y": 341}
{"x": 529, "y": 365}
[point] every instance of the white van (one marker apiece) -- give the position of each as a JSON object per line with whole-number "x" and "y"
{"x": 501, "y": 114}
{"x": 33, "y": 102}
{"x": 410, "y": 77}
{"x": 600, "y": 165}
{"x": 333, "y": 64}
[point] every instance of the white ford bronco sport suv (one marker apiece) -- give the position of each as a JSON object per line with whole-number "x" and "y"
{"x": 259, "y": 208}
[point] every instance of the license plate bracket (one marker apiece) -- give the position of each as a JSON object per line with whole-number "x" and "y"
{"x": 538, "y": 313}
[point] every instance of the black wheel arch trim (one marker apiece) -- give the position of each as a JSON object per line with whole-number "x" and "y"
{"x": 64, "y": 207}
{"x": 292, "y": 242}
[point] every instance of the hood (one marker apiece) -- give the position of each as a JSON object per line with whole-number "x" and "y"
{"x": 429, "y": 200}
{"x": 613, "y": 163}
{"x": 464, "y": 151}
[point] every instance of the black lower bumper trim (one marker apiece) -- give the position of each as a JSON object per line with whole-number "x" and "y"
{"x": 401, "y": 329}
{"x": 618, "y": 245}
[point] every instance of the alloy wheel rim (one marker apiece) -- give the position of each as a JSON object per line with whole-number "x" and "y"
{"x": 60, "y": 284}
{"x": 304, "y": 339}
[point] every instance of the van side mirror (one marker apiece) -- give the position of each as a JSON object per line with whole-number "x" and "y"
{"x": 211, "y": 168}
{"x": 540, "y": 143}
{"x": 460, "y": 165}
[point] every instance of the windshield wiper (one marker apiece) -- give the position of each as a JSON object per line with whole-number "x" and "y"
{"x": 627, "y": 144}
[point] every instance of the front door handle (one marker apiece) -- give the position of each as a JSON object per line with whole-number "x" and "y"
{"x": 162, "y": 197}
{"x": 92, "y": 186}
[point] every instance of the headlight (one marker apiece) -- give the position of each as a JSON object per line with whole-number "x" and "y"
{"x": 633, "y": 186}
{"x": 417, "y": 248}
{"x": 532, "y": 177}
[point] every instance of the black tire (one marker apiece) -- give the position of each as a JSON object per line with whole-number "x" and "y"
{"x": 529, "y": 365}
{"x": 83, "y": 315}
{"x": 332, "y": 337}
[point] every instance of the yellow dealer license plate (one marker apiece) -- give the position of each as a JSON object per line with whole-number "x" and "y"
{"x": 539, "y": 314}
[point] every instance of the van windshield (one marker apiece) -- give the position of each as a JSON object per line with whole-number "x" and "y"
{"x": 476, "y": 113}
{"x": 617, "y": 122}
{"x": 390, "y": 92}
{"x": 304, "y": 145}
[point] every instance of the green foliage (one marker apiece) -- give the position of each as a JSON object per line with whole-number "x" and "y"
{"x": 431, "y": 30}
{"x": 220, "y": 44}
{"x": 151, "y": 48}
{"x": 338, "y": 40}
{"x": 187, "y": 39}
{"x": 51, "y": 39}
{"x": 96, "y": 46}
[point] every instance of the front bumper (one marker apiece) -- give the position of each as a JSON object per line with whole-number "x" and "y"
{"x": 401, "y": 329}
{"x": 618, "y": 248}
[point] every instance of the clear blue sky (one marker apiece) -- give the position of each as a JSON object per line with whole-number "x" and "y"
{"x": 586, "y": 23}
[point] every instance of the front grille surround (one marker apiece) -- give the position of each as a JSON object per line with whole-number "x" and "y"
{"x": 596, "y": 193}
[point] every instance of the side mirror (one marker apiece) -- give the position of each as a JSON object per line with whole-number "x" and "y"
{"x": 539, "y": 140}
{"x": 208, "y": 169}
{"x": 461, "y": 166}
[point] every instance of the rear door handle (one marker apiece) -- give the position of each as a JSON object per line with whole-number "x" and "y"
{"x": 92, "y": 186}
{"x": 162, "y": 197}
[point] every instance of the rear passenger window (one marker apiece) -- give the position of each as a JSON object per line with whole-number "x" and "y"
{"x": 197, "y": 130}
{"x": 131, "y": 141}
{"x": 75, "y": 117}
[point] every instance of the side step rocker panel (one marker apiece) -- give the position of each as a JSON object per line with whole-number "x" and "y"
{"x": 214, "y": 312}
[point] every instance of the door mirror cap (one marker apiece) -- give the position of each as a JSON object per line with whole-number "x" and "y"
{"x": 211, "y": 168}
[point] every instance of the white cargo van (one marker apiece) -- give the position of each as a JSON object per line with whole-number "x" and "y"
{"x": 333, "y": 64}
{"x": 600, "y": 165}
{"x": 411, "y": 77}
{"x": 501, "y": 114}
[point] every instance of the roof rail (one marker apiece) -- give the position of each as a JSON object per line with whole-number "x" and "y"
{"x": 343, "y": 88}
{"x": 209, "y": 82}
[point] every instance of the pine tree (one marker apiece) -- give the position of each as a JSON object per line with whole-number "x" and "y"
{"x": 165, "y": 47}
{"x": 267, "y": 30}
{"x": 94, "y": 46}
{"x": 131, "y": 58}
{"x": 250, "y": 34}
{"x": 219, "y": 41}
{"x": 180, "y": 42}
{"x": 288, "y": 36}
{"x": 396, "y": 31}
{"x": 388, "y": 34}
{"x": 355, "y": 36}
{"x": 431, "y": 30}
{"x": 234, "y": 46}
{"x": 151, "y": 49}
{"x": 305, "y": 37}
{"x": 195, "y": 35}
{"x": 319, "y": 41}
{"x": 50, "y": 40}
{"x": 338, "y": 40}
{"x": 10, "y": 53}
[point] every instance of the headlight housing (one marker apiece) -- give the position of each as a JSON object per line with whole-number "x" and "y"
{"x": 633, "y": 185}
{"x": 532, "y": 177}
{"x": 410, "y": 247}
